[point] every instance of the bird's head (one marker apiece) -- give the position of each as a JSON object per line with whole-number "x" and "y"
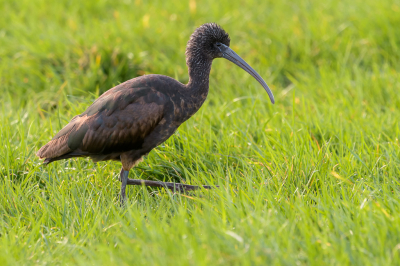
{"x": 206, "y": 41}
{"x": 210, "y": 41}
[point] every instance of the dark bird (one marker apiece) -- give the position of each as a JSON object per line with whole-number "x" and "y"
{"x": 126, "y": 122}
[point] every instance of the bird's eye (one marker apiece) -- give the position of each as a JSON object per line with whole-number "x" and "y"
{"x": 218, "y": 44}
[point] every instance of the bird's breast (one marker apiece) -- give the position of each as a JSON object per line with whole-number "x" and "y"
{"x": 184, "y": 109}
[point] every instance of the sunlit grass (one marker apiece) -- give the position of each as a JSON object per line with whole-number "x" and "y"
{"x": 313, "y": 179}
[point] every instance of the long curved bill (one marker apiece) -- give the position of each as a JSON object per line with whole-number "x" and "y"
{"x": 229, "y": 54}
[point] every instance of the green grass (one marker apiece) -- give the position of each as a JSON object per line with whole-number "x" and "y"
{"x": 311, "y": 180}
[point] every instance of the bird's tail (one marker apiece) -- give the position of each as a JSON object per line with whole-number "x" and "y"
{"x": 53, "y": 149}
{"x": 62, "y": 157}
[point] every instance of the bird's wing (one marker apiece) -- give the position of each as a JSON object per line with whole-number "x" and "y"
{"x": 115, "y": 122}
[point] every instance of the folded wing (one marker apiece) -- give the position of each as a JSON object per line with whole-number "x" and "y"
{"x": 117, "y": 121}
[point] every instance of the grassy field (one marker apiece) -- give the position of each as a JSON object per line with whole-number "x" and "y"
{"x": 311, "y": 180}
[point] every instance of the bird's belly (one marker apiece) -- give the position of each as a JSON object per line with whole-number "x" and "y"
{"x": 105, "y": 157}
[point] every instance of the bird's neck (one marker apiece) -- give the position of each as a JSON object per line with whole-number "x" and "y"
{"x": 199, "y": 76}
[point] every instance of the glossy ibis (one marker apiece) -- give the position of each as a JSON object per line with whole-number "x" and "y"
{"x": 128, "y": 121}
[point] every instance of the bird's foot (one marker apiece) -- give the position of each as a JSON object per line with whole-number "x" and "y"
{"x": 172, "y": 186}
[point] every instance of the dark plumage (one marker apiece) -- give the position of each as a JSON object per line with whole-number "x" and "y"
{"x": 128, "y": 121}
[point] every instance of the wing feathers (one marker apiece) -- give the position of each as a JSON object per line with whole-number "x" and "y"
{"x": 67, "y": 140}
{"x": 115, "y": 122}
{"x": 54, "y": 148}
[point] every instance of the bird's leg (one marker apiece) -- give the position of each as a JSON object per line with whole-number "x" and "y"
{"x": 123, "y": 176}
{"x": 172, "y": 186}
